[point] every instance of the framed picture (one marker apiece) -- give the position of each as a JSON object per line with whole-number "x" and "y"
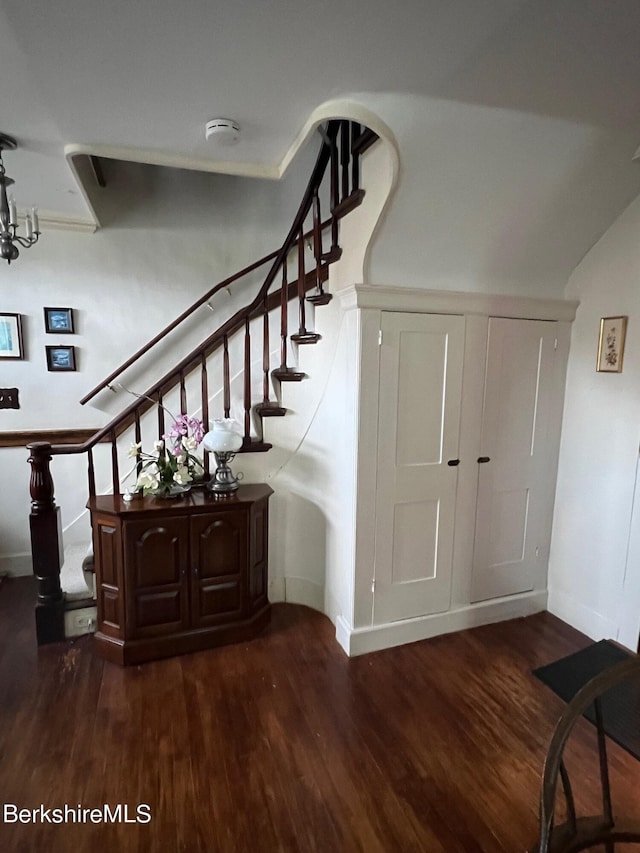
{"x": 61, "y": 358}
{"x": 58, "y": 321}
{"x": 11, "y": 336}
{"x": 611, "y": 344}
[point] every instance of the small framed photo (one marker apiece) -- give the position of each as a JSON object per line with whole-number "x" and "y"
{"x": 11, "y": 336}
{"x": 61, "y": 358}
{"x": 611, "y": 344}
{"x": 58, "y": 321}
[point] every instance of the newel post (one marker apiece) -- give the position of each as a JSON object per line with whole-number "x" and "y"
{"x": 46, "y": 546}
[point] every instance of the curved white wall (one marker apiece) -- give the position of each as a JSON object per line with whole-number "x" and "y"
{"x": 594, "y": 565}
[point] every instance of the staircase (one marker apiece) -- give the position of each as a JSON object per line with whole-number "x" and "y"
{"x": 237, "y": 357}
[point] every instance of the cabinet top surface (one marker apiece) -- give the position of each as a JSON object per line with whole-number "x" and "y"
{"x": 195, "y": 500}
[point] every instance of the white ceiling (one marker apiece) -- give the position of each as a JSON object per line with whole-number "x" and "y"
{"x": 145, "y": 75}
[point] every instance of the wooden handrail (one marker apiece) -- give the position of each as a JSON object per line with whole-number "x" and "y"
{"x": 185, "y": 314}
{"x": 124, "y": 419}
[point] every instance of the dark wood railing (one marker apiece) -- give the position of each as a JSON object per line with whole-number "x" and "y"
{"x": 338, "y": 158}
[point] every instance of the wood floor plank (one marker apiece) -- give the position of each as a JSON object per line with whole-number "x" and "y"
{"x": 283, "y": 744}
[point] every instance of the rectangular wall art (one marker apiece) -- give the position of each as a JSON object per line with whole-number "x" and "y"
{"x": 58, "y": 321}
{"x": 611, "y": 344}
{"x": 61, "y": 358}
{"x": 11, "y": 336}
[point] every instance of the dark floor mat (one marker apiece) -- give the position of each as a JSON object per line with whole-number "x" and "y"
{"x": 620, "y": 705}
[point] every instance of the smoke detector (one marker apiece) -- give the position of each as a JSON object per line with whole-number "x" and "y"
{"x": 222, "y": 131}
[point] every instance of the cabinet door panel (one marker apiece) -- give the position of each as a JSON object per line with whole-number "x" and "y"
{"x": 107, "y": 545}
{"x": 219, "y": 559}
{"x": 513, "y": 485}
{"x": 418, "y": 427}
{"x": 156, "y": 559}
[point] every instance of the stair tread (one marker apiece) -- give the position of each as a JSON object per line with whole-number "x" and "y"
{"x": 288, "y": 374}
{"x": 306, "y": 338}
{"x": 320, "y": 298}
{"x": 255, "y": 446}
{"x": 270, "y": 411}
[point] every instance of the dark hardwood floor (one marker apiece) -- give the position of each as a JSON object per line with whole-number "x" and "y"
{"x": 284, "y": 744}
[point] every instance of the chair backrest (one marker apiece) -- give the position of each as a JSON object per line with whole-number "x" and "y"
{"x": 584, "y": 833}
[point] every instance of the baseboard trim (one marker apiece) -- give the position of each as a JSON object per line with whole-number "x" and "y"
{"x": 304, "y": 591}
{"x": 359, "y": 641}
{"x": 16, "y": 566}
{"x": 590, "y": 622}
{"x": 343, "y": 633}
{"x": 277, "y": 590}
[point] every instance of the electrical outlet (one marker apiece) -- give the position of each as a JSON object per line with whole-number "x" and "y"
{"x": 80, "y": 621}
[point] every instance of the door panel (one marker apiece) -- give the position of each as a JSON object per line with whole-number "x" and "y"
{"x": 520, "y": 365}
{"x": 156, "y": 558}
{"x": 418, "y": 426}
{"x": 219, "y": 557}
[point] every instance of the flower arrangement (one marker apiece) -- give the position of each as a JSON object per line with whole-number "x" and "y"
{"x": 173, "y": 461}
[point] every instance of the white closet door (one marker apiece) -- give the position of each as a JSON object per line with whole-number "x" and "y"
{"x": 418, "y": 426}
{"x": 513, "y": 485}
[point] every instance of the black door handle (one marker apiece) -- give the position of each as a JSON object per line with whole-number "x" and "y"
{"x": 482, "y": 459}
{"x": 453, "y": 462}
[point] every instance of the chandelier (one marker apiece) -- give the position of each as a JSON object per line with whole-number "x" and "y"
{"x": 9, "y": 214}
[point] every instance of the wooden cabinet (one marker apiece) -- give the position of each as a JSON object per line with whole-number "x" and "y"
{"x": 175, "y": 576}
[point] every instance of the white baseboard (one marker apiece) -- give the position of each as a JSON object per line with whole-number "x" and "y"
{"x": 16, "y": 566}
{"x": 277, "y": 590}
{"x": 359, "y": 641}
{"x": 343, "y": 633}
{"x": 593, "y": 624}
{"x": 303, "y": 591}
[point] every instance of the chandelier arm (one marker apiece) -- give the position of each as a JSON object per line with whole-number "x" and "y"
{"x": 25, "y": 242}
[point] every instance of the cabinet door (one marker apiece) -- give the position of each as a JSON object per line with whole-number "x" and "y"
{"x": 157, "y": 590}
{"x": 418, "y": 426}
{"x": 219, "y": 567}
{"x": 515, "y": 485}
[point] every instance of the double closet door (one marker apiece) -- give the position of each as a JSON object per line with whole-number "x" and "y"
{"x": 423, "y": 370}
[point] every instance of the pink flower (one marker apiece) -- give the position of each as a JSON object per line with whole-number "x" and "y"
{"x": 184, "y": 426}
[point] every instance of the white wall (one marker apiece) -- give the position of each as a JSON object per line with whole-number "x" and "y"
{"x": 495, "y": 200}
{"x": 594, "y": 567}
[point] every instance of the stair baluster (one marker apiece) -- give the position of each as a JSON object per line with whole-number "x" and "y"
{"x": 355, "y": 160}
{"x": 303, "y": 336}
{"x": 91, "y": 473}
{"x": 160, "y": 415}
{"x": 183, "y": 395}
{"x": 301, "y": 294}
{"x": 335, "y": 195}
{"x": 345, "y": 151}
{"x": 204, "y": 393}
{"x": 320, "y": 297}
{"x": 138, "y": 438}
{"x": 284, "y": 302}
{"x": 115, "y": 477}
{"x": 226, "y": 382}
{"x": 247, "y": 384}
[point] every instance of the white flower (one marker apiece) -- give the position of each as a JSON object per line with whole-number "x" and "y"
{"x": 147, "y": 480}
{"x": 180, "y": 458}
{"x": 182, "y": 476}
{"x": 134, "y": 450}
{"x": 158, "y": 445}
{"x": 189, "y": 444}
{"x": 152, "y": 470}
